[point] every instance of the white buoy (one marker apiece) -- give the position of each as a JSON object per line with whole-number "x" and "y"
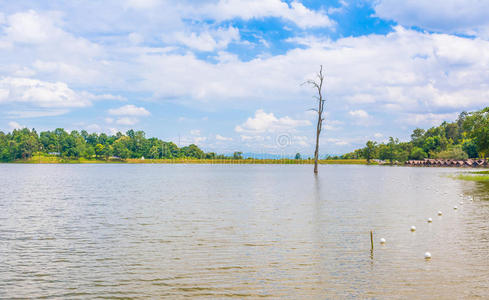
{"x": 430, "y": 220}
{"x": 439, "y": 213}
{"x": 455, "y": 207}
{"x": 427, "y": 255}
{"x": 382, "y": 241}
{"x": 413, "y": 228}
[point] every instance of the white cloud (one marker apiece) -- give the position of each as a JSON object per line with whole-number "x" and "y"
{"x": 31, "y": 28}
{"x": 378, "y": 135}
{"x": 209, "y": 40}
{"x": 427, "y": 119}
{"x": 192, "y": 139}
{"x": 223, "y": 138}
{"x": 108, "y": 97}
{"x": 128, "y": 115}
{"x": 450, "y": 16}
{"x": 113, "y": 131}
{"x": 358, "y": 113}
{"x": 195, "y": 132}
{"x": 301, "y": 141}
{"x": 93, "y": 128}
{"x": 331, "y": 124}
{"x": 135, "y": 38}
{"x": 128, "y": 121}
{"x": 252, "y": 138}
{"x": 142, "y": 4}
{"x": 36, "y": 29}
{"x": 24, "y": 72}
{"x": 199, "y": 140}
{"x": 266, "y": 132}
{"x": 337, "y": 142}
{"x": 72, "y": 71}
{"x": 296, "y": 12}
{"x": 14, "y": 125}
{"x": 263, "y": 122}
{"x": 405, "y": 74}
{"x": 41, "y": 93}
{"x": 37, "y": 41}
{"x": 36, "y": 113}
{"x": 129, "y": 110}
{"x": 416, "y": 72}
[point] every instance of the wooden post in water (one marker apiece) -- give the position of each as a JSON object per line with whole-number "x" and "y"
{"x": 372, "y": 240}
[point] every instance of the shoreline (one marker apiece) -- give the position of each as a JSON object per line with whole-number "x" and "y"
{"x": 428, "y": 163}
{"x": 458, "y": 163}
{"x": 56, "y": 160}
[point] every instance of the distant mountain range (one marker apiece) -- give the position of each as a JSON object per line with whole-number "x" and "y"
{"x": 279, "y": 156}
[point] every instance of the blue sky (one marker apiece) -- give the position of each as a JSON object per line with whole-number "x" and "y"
{"x": 227, "y": 74}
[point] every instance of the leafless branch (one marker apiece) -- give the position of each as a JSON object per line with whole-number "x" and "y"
{"x": 318, "y": 85}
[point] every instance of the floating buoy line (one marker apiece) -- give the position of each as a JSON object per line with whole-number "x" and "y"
{"x": 427, "y": 255}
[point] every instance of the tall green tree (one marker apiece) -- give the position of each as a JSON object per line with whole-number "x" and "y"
{"x": 477, "y": 126}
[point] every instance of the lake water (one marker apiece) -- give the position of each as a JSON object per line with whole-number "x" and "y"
{"x": 218, "y": 231}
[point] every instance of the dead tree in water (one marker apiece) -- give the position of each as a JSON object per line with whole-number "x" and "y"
{"x": 318, "y": 85}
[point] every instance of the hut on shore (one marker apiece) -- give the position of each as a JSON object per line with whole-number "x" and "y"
{"x": 430, "y": 162}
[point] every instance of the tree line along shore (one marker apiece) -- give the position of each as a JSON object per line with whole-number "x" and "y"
{"x": 465, "y": 138}
{"x": 458, "y": 143}
{"x": 58, "y": 146}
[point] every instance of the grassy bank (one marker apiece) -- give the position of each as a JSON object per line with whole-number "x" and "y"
{"x": 58, "y": 160}
{"x": 480, "y": 176}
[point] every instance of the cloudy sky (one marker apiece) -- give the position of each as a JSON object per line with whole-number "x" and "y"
{"x": 227, "y": 74}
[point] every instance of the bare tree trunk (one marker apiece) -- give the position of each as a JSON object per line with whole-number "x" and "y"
{"x": 316, "y": 152}
{"x": 318, "y": 84}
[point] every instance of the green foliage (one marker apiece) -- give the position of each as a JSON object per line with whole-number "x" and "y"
{"x": 467, "y": 137}
{"x": 470, "y": 147}
{"x": 192, "y": 151}
{"x": 417, "y": 137}
{"x": 472, "y": 177}
{"x": 21, "y": 144}
{"x": 418, "y": 154}
{"x": 453, "y": 152}
{"x": 369, "y": 151}
{"x": 297, "y": 156}
{"x": 477, "y": 126}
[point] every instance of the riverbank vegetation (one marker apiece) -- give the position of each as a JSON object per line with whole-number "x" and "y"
{"x": 39, "y": 158}
{"x": 481, "y": 176}
{"x": 467, "y": 137}
{"x": 60, "y": 146}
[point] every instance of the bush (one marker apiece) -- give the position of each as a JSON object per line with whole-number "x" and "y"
{"x": 418, "y": 153}
{"x": 470, "y": 148}
{"x": 454, "y": 152}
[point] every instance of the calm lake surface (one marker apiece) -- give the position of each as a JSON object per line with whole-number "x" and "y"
{"x": 218, "y": 231}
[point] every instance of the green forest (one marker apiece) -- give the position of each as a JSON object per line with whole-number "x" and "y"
{"x": 467, "y": 137}
{"x": 22, "y": 144}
